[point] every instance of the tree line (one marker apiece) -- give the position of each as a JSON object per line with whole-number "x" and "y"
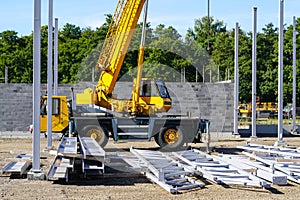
{"x": 201, "y": 55}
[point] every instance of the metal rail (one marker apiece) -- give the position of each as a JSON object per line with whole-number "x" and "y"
{"x": 91, "y": 149}
{"x": 16, "y": 167}
{"x": 219, "y": 171}
{"x": 292, "y": 170}
{"x": 257, "y": 168}
{"x": 93, "y": 154}
{"x": 166, "y": 172}
{"x": 92, "y": 157}
{"x": 66, "y": 153}
{"x": 295, "y": 153}
{"x": 67, "y": 146}
{"x": 60, "y": 167}
{"x": 284, "y": 160}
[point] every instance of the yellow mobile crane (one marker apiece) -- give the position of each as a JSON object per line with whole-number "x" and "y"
{"x": 110, "y": 62}
{"x": 149, "y": 96}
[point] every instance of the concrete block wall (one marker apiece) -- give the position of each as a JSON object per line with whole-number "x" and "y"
{"x": 213, "y": 101}
{"x": 16, "y": 107}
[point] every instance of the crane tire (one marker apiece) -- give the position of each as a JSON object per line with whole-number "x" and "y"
{"x": 170, "y": 139}
{"x": 99, "y": 133}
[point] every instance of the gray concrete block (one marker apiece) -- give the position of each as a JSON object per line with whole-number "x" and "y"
{"x": 212, "y": 101}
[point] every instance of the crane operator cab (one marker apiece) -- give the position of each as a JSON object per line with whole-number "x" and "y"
{"x": 60, "y": 114}
{"x": 153, "y": 97}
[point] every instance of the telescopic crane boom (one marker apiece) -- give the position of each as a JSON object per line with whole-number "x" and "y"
{"x": 149, "y": 96}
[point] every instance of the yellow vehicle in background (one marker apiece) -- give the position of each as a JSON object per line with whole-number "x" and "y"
{"x": 244, "y": 110}
{"x": 265, "y": 109}
{"x": 60, "y": 114}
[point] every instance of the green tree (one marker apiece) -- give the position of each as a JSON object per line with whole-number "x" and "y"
{"x": 91, "y": 43}
{"x": 205, "y": 34}
{"x": 223, "y": 53}
{"x": 267, "y": 63}
{"x": 9, "y": 44}
{"x": 166, "y": 51}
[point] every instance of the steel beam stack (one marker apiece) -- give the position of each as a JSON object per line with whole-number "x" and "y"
{"x": 256, "y": 168}
{"x": 218, "y": 170}
{"x": 88, "y": 151}
{"x": 285, "y": 160}
{"x": 166, "y": 172}
{"x": 93, "y": 155}
{"x": 66, "y": 153}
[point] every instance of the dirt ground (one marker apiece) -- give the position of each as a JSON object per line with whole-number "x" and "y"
{"x": 129, "y": 187}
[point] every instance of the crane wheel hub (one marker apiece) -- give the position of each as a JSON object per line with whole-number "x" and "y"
{"x": 95, "y": 134}
{"x": 171, "y": 136}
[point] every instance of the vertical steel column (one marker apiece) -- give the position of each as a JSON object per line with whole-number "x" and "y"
{"x": 208, "y": 20}
{"x": 203, "y": 74}
{"x": 6, "y": 75}
{"x": 184, "y": 74}
{"x": 218, "y": 73}
{"x": 280, "y": 76}
{"x": 210, "y": 73}
{"x": 236, "y": 79}
{"x": 254, "y": 34}
{"x": 294, "y": 73}
{"x": 228, "y": 74}
{"x": 55, "y": 57}
{"x": 93, "y": 74}
{"x": 36, "y": 86}
{"x": 181, "y": 75}
{"x": 50, "y": 76}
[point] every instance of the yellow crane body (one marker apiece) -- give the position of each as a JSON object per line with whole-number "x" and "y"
{"x": 110, "y": 62}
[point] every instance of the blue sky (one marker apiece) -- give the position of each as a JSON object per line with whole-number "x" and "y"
{"x": 18, "y": 14}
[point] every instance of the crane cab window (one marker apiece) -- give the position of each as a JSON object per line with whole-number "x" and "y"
{"x": 162, "y": 89}
{"x": 55, "y": 106}
{"x": 148, "y": 89}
